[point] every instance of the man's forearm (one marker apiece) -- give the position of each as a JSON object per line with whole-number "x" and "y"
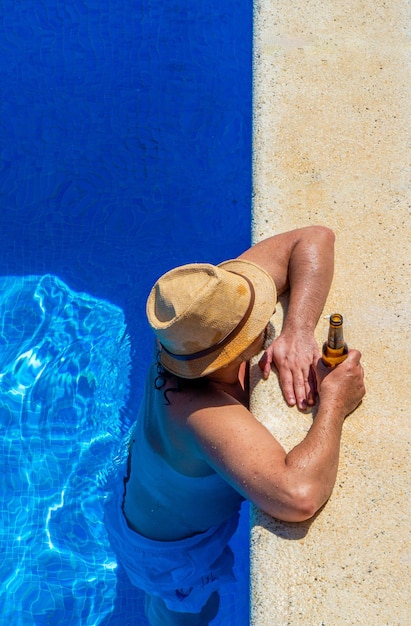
{"x": 310, "y": 273}
{"x": 313, "y": 463}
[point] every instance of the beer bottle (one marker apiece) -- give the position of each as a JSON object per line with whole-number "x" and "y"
{"x": 335, "y": 350}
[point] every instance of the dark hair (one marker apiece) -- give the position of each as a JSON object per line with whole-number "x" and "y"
{"x": 163, "y": 375}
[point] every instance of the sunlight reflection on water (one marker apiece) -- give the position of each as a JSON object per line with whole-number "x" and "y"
{"x": 64, "y": 371}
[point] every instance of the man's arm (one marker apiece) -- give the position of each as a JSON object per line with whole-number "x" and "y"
{"x": 291, "y": 487}
{"x": 302, "y": 261}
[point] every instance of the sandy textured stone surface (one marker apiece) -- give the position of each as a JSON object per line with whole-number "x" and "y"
{"x": 332, "y": 145}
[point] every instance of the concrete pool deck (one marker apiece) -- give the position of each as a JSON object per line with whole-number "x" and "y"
{"x": 332, "y": 145}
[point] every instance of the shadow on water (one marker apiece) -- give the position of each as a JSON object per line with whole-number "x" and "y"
{"x": 126, "y": 145}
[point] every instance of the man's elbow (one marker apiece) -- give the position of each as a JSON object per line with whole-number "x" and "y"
{"x": 323, "y": 234}
{"x": 300, "y": 506}
{"x": 304, "y": 506}
{"x": 304, "y": 510}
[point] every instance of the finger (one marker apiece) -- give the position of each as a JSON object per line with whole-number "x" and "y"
{"x": 301, "y": 389}
{"x": 321, "y": 370}
{"x": 287, "y": 386}
{"x": 354, "y": 355}
{"x": 265, "y": 365}
{"x": 312, "y": 380}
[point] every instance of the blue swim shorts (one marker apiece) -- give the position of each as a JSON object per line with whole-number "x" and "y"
{"x": 183, "y": 573}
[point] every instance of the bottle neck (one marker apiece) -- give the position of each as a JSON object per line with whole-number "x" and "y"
{"x": 335, "y": 332}
{"x": 335, "y": 349}
{"x": 335, "y": 337}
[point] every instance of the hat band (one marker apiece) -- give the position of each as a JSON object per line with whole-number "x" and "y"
{"x": 227, "y": 338}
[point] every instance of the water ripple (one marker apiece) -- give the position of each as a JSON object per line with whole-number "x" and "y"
{"x": 64, "y": 372}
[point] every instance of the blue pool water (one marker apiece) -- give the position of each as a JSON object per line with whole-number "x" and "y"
{"x": 59, "y": 408}
{"x": 125, "y": 150}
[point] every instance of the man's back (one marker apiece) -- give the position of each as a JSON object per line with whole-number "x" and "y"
{"x": 171, "y": 492}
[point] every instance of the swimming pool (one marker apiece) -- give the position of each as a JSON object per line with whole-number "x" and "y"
{"x": 126, "y": 150}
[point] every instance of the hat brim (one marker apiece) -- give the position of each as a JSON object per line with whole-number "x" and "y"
{"x": 264, "y": 305}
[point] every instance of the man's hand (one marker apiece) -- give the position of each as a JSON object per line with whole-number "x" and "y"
{"x": 294, "y": 358}
{"x": 342, "y": 387}
{"x": 302, "y": 262}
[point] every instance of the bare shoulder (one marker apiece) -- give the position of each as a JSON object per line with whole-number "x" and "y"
{"x": 204, "y": 416}
{"x": 191, "y": 417}
{"x": 224, "y": 424}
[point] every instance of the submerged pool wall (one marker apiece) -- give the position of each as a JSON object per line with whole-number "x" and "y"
{"x": 332, "y": 141}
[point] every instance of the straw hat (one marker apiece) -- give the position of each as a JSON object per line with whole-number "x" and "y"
{"x": 205, "y": 315}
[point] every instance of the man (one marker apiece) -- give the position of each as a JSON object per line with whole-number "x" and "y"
{"x": 196, "y": 450}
